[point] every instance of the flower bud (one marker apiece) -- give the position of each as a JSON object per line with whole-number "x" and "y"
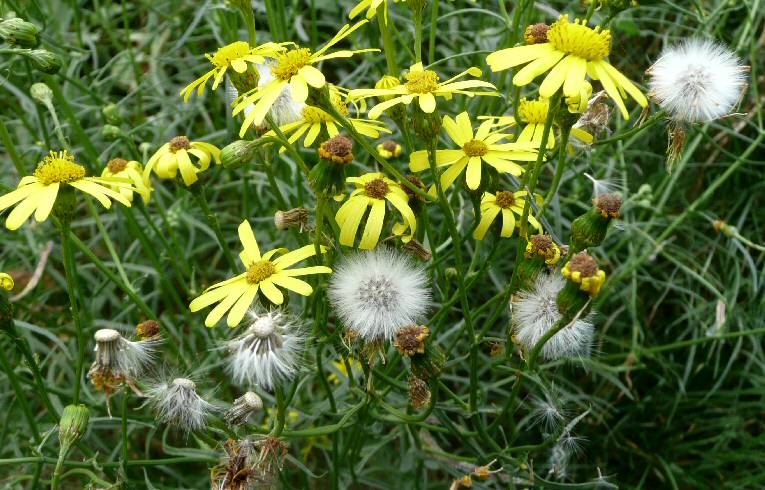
{"x": 243, "y": 407}
{"x": 237, "y": 154}
{"x": 387, "y": 82}
{"x": 293, "y": 218}
{"x": 328, "y": 175}
{"x": 19, "y": 33}
{"x": 111, "y": 133}
{"x": 6, "y": 281}
{"x": 589, "y": 229}
{"x": 428, "y": 364}
{"x": 73, "y": 424}
{"x": 427, "y": 126}
{"x": 45, "y": 61}
{"x": 112, "y": 114}
{"x": 417, "y": 6}
{"x": 41, "y": 93}
{"x": 541, "y": 253}
{"x": 389, "y": 149}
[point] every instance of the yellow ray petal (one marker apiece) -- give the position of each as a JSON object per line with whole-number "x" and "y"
{"x": 374, "y": 225}
{"x": 272, "y": 292}
{"x": 487, "y": 218}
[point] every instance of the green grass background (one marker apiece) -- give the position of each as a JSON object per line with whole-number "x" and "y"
{"x": 674, "y": 391}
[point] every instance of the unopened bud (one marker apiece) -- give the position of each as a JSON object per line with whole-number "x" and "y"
{"x": 237, "y": 154}
{"x": 112, "y": 114}
{"x": 73, "y": 424}
{"x": 243, "y": 407}
{"x": 110, "y": 132}
{"x": 45, "y": 61}
{"x": 293, "y": 218}
{"x": 389, "y": 149}
{"x": 590, "y": 229}
{"x": 19, "y": 33}
{"x": 41, "y": 93}
{"x": 6, "y": 281}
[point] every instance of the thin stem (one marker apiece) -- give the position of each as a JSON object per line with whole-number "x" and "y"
{"x": 418, "y": 37}
{"x": 390, "y": 50}
{"x": 212, "y": 220}
{"x": 124, "y": 449}
{"x": 433, "y": 30}
{"x": 71, "y": 285}
{"x": 108, "y": 242}
{"x": 249, "y": 20}
{"x": 5, "y": 137}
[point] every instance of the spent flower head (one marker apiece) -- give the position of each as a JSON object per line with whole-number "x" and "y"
{"x": 177, "y": 403}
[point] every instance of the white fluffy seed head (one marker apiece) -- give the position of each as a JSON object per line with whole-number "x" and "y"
{"x": 176, "y": 402}
{"x": 120, "y": 358}
{"x": 535, "y": 312}
{"x": 269, "y": 350}
{"x": 377, "y": 292}
{"x": 697, "y": 80}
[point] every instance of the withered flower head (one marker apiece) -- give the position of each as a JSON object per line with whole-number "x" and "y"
{"x": 608, "y": 205}
{"x": 411, "y": 340}
{"x": 338, "y": 149}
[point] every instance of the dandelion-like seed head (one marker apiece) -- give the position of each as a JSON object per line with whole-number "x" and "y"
{"x": 697, "y": 80}
{"x": 535, "y": 312}
{"x": 378, "y": 292}
{"x": 118, "y": 360}
{"x": 421, "y": 82}
{"x": 376, "y": 189}
{"x": 578, "y": 39}
{"x": 117, "y": 165}
{"x": 475, "y": 148}
{"x": 290, "y": 62}
{"x": 226, "y": 54}
{"x": 269, "y": 350}
{"x": 260, "y": 271}
{"x": 180, "y": 143}
{"x": 59, "y": 168}
{"x": 176, "y": 403}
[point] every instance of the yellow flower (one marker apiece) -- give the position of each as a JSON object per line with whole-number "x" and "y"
{"x": 176, "y": 155}
{"x": 294, "y": 68}
{"x": 545, "y": 247}
{"x": 6, "y": 281}
{"x": 235, "y": 295}
{"x": 131, "y": 171}
{"x": 423, "y": 85}
{"x": 534, "y": 114}
{"x": 371, "y": 6}
{"x": 573, "y": 51}
{"x": 37, "y": 193}
{"x": 372, "y": 190}
{"x": 314, "y": 118}
{"x": 507, "y": 203}
{"x": 389, "y": 149}
{"x": 589, "y": 281}
{"x": 235, "y": 56}
{"x": 475, "y": 149}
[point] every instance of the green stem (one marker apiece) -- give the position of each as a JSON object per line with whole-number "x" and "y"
{"x": 562, "y": 153}
{"x": 62, "y": 453}
{"x": 212, "y": 219}
{"x": 249, "y": 20}
{"x": 5, "y": 137}
{"x": 433, "y": 30}
{"x": 418, "y": 37}
{"x": 390, "y": 50}
{"x": 108, "y": 242}
{"x": 71, "y": 285}
{"x": 280, "y": 412}
{"x": 124, "y": 448}
{"x": 647, "y": 124}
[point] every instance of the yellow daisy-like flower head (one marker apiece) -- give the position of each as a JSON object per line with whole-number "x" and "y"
{"x": 423, "y": 85}
{"x": 263, "y": 273}
{"x": 508, "y": 203}
{"x": 37, "y": 193}
{"x": 572, "y": 52}
{"x": 372, "y": 191}
{"x": 314, "y": 119}
{"x": 131, "y": 171}
{"x": 476, "y": 149}
{"x": 533, "y": 113}
{"x": 583, "y": 270}
{"x": 6, "y": 281}
{"x": 294, "y": 68}
{"x": 389, "y": 149}
{"x": 176, "y": 155}
{"x": 235, "y": 56}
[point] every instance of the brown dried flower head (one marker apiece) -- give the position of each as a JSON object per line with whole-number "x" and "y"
{"x": 536, "y": 33}
{"x": 338, "y": 149}
{"x": 411, "y": 340}
{"x": 608, "y": 205}
{"x": 419, "y": 393}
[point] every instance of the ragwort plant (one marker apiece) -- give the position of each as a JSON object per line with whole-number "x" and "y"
{"x": 533, "y": 258}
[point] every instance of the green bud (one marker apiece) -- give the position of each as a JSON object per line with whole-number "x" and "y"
{"x": 41, "y": 93}
{"x": 244, "y": 82}
{"x": 65, "y": 205}
{"x": 451, "y": 273}
{"x": 111, "y": 133}
{"x": 45, "y": 61}
{"x": 73, "y": 424}
{"x": 328, "y": 175}
{"x": 112, "y": 114}
{"x": 237, "y": 154}
{"x": 19, "y": 33}
{"x": 426, "y": 126}
{"x": 429, "y": 364}
{"x": 417, "y": 6}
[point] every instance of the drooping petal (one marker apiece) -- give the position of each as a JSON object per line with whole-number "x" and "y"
{"x": 47, "y": 200}
{"x": 22, "y": 211}
{"x": 508, "y": 223}
{"x": 529, "y": 72}
{"x": 487, "y": 218}
{"x": 374, "y": 225}
{"x": 240, "y": 307}
{"x": 473, "y": 176}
